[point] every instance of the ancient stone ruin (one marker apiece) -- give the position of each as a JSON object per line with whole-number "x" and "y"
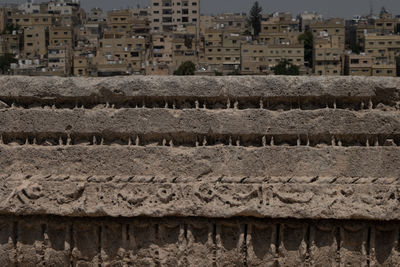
{"x": 195, "y": 171}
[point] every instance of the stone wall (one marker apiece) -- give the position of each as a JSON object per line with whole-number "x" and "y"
{"x": 199, "y": 171}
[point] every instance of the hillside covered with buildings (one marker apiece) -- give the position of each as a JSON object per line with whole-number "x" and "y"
{"x": 60, "y": 38}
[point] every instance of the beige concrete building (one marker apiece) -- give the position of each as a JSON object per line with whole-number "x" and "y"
{"x": 36, "y": 40}
{"x": 384, "y": 69}
{"x": 88, "y": 36}
{"x": 384, "y": 49}
{"x": 121, "y": 54}
{"x": 11, "y": 43}
{"x": 30, "y": 20}
{"x": 184, "y": 48}
{"x": 327, "y": 56}
{"x": 230, "y": 21}
{"x": 332, "y": 27}
{"x": 386, "y": 23}
{"x": 307, "y": 18}
{"x": 358, "y": 65}
{"x": 60, "y": 59}
{"x": 119, "y": 21}
{"x": 81, "y": 66}
{"x": 69, "y": 12}
{"x": 279, "y": 29}
{"x": 361, "y": 30}
{"x": 160, "y": 59}
{"x": 29, "y": 7}
{"x": 97, "y": 15}
{"x": 167, "y": 15}
{"x": 259, "y": 59}
{"x": 61, "y": 35}
{"x": 222, "y": 50}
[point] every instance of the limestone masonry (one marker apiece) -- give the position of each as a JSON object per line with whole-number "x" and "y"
{"x": 199, "y": 171}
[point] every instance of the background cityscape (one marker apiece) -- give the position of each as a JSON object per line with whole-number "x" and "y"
{"x": 182, "y": 37}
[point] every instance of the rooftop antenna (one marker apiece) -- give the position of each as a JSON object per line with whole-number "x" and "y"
{"x": 371, "y": 8}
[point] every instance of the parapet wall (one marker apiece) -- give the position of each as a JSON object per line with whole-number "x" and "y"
{"x": 174, "y": 152}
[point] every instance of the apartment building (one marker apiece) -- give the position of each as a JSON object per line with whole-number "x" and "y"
{"x": 97, "y": 15}
{"x": 184, "y": 48}
{"x": 69, "y": 12}
{"x": 386, "y": 23}
{"x": 61, "y": 35}
{"x": 221, "y": 50}
{"x": 327, "y": 55}
{"x": 36, "y": 40}
{"x": 230, "y": 21}
{"x": 29, "y": 7}
{"x": 122, "y": 54}
{"x": 259, "y": 58}
{"x": 167, "y": 15}
{"x": 384, "y": 49}
{"x": 307, "y": 18}
{"x": 279, "y": 22}
{"x": 81, "y": 65}
{"x": 331, "y": 27}
{"x": 119, "y": 21}
{"x": 279, "y": 28}
{"x": 29, "y": 20}
{"x": 11, "y": 43}
{"x": 88, "y": 36}
{"x": 160, "y": 59}
{"x": 358, "y": 65}
{"x": 140, "y": 12}
{"x": 361, "y": 30}
{"x": 59, "y": 58}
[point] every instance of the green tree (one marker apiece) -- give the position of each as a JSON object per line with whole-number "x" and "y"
{"x": 356, "y": 48}
{"x": 5, "y": 62}
{"x": 286, "y": 68}
{"x": 186, "y": 68}
{"x": 254, "y": 19}
{"x": 308, "y": 40}
{"x": 188, "y": 41}
{"x": 9, "y": 28}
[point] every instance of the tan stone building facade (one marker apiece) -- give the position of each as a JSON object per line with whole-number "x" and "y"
{"x": 167, "y": 15}
{"x": 259, "y": 59}
{"x": 36, "y": 41}
{"x": 328, "y": 56}
{"x": 384, "y": 49}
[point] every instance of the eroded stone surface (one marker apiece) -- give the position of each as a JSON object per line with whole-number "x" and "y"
{"x": 199, "y": 171}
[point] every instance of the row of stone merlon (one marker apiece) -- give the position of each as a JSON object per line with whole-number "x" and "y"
{"x": 199, "y": 122}
{"x": 255, "y": 86}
